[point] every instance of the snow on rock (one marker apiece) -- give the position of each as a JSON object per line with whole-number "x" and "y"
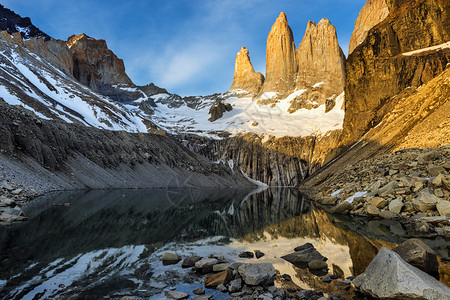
{"x": 433, "y": 48}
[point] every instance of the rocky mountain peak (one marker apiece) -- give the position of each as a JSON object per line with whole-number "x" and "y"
{"x": 12, "y": 22}
{"x": 373, "y": 12}
{"x": 245, "y": 77}
{"x": 281, "y": 64}
{"x": 320, "y": 58}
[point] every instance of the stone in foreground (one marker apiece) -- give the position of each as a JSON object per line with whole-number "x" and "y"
{"x": 304, "y": 256}
{"x": 418, "y": 254}
{"x": 205, "y": 265}
{"x": 169, "y": 258}
{"x": 388, "y": 276}
{"x": 190, "y": 261}
{"x": 258, "y": 274}
{"x": 214, "y": 280}
{"x": 176, "y": 295}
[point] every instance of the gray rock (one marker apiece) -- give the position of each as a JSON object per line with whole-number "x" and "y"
{"x": 387, "y": 214}
{"x": 258, "y": 274}
{"x": 205, "y": 265}
{"x": 396, "y": 205}
{"x": 418, "y": 254}
{"x": 304, "y": 246}
{"x": 235, "y": 285}
{"x": 222, "y": 288}
{"x": 265, "y": 296}
{"x": 190, "y": 261}
{"x": 388, "y": 276}
{"x": 170, "y": 258}
{"x": 175, "y": 295}
{"x": 425, "y": 201}
{"x": 221, "y": 267}
{"x": 246, "y": 254}
{"x": 303, "y": 257}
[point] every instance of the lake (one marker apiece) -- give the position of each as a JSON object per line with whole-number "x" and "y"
{"x": 106, "y": 244}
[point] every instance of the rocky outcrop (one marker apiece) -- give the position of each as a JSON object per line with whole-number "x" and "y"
{"x": 245, "y": 78}
{"x": 321, "y": 61}
{"x": 382, "y": 66}
{"x": 13, "y": 23}
{"x": 281, "y": 58}
{"x": 390, "y": 277}
{"x": 52, "y": 155}
{"x": 97, "y": 67}
{"x": 373, "y": 12}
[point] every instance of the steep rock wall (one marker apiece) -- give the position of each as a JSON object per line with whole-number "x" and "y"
{"x": 377, "y": 69}
{"x": 245, "y": 78}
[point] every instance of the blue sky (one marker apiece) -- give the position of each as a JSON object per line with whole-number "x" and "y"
{"x": 186, "y": 46}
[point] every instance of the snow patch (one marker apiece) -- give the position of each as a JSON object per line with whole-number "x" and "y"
{"x": 356, "y": 195}
{"x": 318, "y": 84}
{"x": 433, "y": 48}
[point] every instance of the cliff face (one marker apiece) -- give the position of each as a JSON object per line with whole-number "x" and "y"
{"x": 373, "y": 12}
{"x": 97, "y": 67}
{"x": 245, "y": 78}
{"x": 281, "y": 59}
{"x": 381, "y": 66}
{"x": 321, "y": 60}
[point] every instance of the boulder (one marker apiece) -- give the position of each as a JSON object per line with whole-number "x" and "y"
{"x": 372, "y": 210}
{"x": 235, "y": 285}
{"x": 329, "y": 200}
{"x": 388, "y": 276}
{"x": 304, "y": 256}
{"x": 175, "y": 295}
{"x": 246, "y": 254}
{"x": 425, "y": 201}
{"x": 224, "y": 277}
{"x": 435, "y": 171}
{"x": 304, "y": 246}
{"x": 258, "y": 274}
{"x": 189, "y": 262}
{"x": 396, "y": 205}
{"x": 202, "y": 297}
{"x": 169, "y": 258}
{"x": 221, "y": 267}
{"x": 387, "y": 214}
{"x": 199, "y": 291}
{"x": 378, "y": 202}
{"x": 443, "y": 208}
{"x": 259, "y": 254}
{"x": 205, "y": 265}
{"x": 341, "y": 207}
{"x": 418, "y": 254}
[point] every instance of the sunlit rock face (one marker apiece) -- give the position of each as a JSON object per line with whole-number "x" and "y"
{"x": 393, "y": 57}
{"x": 97, "y": 67}
{"x": 281, "y": 59}
{"x": 321, "y": 62}
{"x": 245, "y": 77}
{"x": 370, "y": 15}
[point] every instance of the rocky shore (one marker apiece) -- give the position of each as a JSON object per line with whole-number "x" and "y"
{"x": 12, "y": 197}
{"x": 410, "y": 185}
{"x": 412, "y": 269}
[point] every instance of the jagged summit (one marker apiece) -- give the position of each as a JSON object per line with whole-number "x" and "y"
{"x": 321, "y": 59}
{"x": 281, "y": 65}
{"x": 75, "y": 38}
{"x": 245, "y": 77}
{"x": 12, "y": 22}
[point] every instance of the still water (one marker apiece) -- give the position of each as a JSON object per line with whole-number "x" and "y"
{"x": 106, "y": 244}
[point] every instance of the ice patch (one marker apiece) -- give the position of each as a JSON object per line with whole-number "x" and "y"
{"x": 336, "y": 192}
{"x": 318, "y": 84}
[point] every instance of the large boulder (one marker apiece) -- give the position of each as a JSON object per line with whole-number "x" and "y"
{"x": 189, "y": 262}
{"x": 169, "y": 258}
{"x": 257, "y": 274}
{"x": 304, "y": 255}
{"x": 205, "y": 265}
{"x": 418, "y": 254}
{"x": 388, "y": 276}
{"x": 342, "y": 207}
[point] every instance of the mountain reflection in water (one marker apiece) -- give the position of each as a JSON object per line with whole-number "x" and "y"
{"x": 111, "y": 242}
